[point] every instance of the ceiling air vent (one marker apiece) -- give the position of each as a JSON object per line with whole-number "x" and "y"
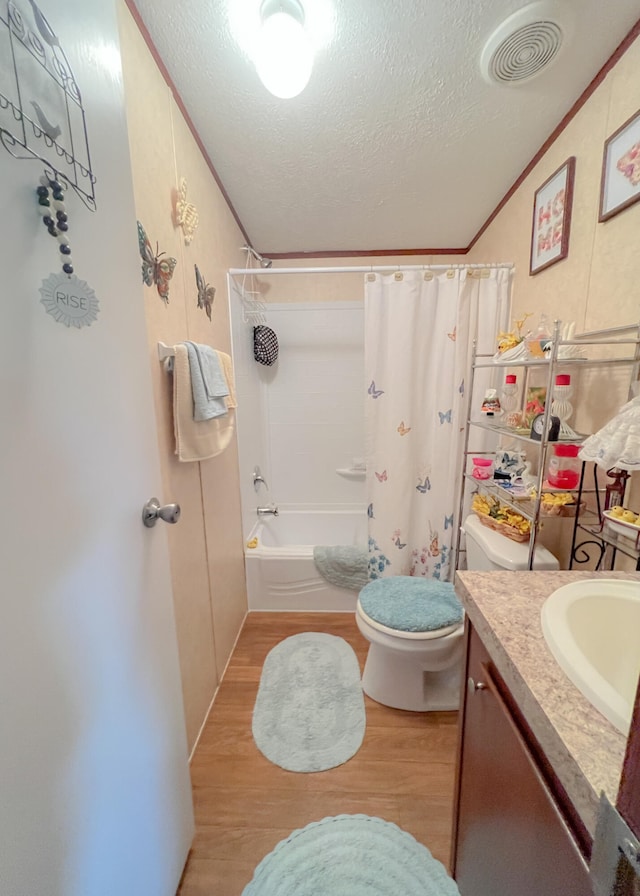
{"x": 525, "y": 44}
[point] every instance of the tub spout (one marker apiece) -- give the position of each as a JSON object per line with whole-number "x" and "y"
{"x": 270, "y": 510}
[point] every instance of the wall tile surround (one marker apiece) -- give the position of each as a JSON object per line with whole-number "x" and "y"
{"x": 303, "y": 418}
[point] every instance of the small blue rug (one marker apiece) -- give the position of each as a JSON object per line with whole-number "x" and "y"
{"x": 346, "y": 566}
{"x": 350, "y": 855}
{"x": 309, "y": 714}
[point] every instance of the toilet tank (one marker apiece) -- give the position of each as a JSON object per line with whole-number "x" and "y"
{"x": 488, "y": 550}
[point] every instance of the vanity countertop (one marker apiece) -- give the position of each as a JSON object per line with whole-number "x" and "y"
{"x": 584, "y": 749}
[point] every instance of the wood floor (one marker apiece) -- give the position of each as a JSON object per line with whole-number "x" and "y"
{"x": 244, "y": 804}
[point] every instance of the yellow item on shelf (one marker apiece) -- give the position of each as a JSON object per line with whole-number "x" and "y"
{"x": 253, "y": 543}
{"x": 501, "y": 518}
{"x": 510, "y": 339}
{"x": 553, "y": 500}
{"x": 560, "y": 504}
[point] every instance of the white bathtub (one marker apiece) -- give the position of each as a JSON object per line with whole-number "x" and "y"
{"x": 281, "y": 574}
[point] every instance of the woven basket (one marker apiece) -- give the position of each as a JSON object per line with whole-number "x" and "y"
{"x": 561, "y": 509}
{"x": 503, "y": 528}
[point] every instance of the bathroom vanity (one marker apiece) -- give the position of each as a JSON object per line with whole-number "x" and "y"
{"x": 533, "y": 754}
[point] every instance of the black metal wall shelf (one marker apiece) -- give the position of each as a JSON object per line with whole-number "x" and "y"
{"x": 592, "y": 541}
{"x": 41, "y": 113}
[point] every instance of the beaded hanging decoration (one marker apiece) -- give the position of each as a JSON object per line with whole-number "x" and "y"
{"x": 54, "y": 217}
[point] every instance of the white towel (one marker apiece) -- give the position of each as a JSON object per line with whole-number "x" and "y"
{"x": 195, "y": 440}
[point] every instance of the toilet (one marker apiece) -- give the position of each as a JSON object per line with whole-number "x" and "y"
{"x": 487, "y": 550}
{"x": 420, "y": 670}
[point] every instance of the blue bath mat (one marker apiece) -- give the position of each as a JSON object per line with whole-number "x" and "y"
{"x": 350, "y": 855}
{"x": 346, "y": 566}
{"x": 309, "y": 713}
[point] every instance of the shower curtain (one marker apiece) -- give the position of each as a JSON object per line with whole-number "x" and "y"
{"x": 419, "y": 326}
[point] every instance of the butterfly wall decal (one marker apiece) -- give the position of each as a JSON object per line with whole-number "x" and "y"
{"x": 461, "y": 388}
{"x": 186, "y": 213}
{"x": 373, "y": 392}
{"x": 402, "y": 429}
{"x": 434, "y": 548}
{"x": 400, "y": 544}
{"x": 424, "y": 487}
{"x": 448, "y": 521}
{"x": 452, "y": 336}
{"x": 382, "y": 477}
{"x": 155, "y": 268}
{"x": 206, "y": 293}
{"x": 370, "y": 512}
{"x": 445, "y": 416}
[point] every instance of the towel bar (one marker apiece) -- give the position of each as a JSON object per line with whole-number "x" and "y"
{"x": 166, "y": 353}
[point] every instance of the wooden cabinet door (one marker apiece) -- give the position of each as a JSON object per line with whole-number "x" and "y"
{"x": 511, "y": 838}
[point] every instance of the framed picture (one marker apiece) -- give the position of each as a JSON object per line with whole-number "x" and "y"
{"x": 620, "y": 184}
{"x": 552, "y": 218}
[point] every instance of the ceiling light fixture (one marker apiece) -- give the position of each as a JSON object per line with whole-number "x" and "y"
{"x": 283, "y": 54}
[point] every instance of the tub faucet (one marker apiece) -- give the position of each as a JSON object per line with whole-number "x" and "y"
{"x": 258, "y": 478}
{"x": 270, "y": 510}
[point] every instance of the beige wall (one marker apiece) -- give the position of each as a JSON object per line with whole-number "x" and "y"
{"x": 333, "y": 287}
{"x": 596, "y": 285}
{"x": 206, "y": 548}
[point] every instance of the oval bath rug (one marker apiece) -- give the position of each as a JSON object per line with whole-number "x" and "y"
{"x": 309, "y": 713}
{"x": 350, "y": 855}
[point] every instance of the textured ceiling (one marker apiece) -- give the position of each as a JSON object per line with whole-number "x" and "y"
{"x": 397, "y": 142}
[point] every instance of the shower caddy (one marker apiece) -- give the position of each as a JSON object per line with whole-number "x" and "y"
{"x": 588, "y": 523}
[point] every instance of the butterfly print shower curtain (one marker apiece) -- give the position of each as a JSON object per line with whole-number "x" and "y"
{"x": 418, "y": 332}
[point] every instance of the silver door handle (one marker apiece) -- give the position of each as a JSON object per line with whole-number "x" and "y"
{"x": 153, "y": 511}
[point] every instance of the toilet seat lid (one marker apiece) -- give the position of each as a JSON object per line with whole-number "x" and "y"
{"x": 411, "y": 604}
{"x": 432, "y": 635}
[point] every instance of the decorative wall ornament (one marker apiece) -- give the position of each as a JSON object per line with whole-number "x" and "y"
{"x": 69, "y": 301}
{"x": 37, "y": 76}
{"x": 552, "y": 218}
{"x": 54, "y": 217}
{"x": 620, "y": 185}
{"x": 155, "y": 269}
{"x": 186, "y": 213}
{"x": 206, "y": 293}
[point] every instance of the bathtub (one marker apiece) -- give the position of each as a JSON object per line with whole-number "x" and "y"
{"x": 281, "y": 574}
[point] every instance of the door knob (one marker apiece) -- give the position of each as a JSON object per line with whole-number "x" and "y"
{"x": 153, "y": 511}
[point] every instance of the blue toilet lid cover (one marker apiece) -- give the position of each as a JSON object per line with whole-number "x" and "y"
{"x": 411, "y": 603}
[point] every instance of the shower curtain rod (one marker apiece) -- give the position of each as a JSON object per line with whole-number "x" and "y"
{"x": 367, "y": 269}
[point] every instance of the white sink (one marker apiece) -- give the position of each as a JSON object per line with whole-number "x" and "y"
{"x": 592, "y": 628}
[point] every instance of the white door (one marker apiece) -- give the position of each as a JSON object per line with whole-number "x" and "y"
{"x": 95, "y": 796}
